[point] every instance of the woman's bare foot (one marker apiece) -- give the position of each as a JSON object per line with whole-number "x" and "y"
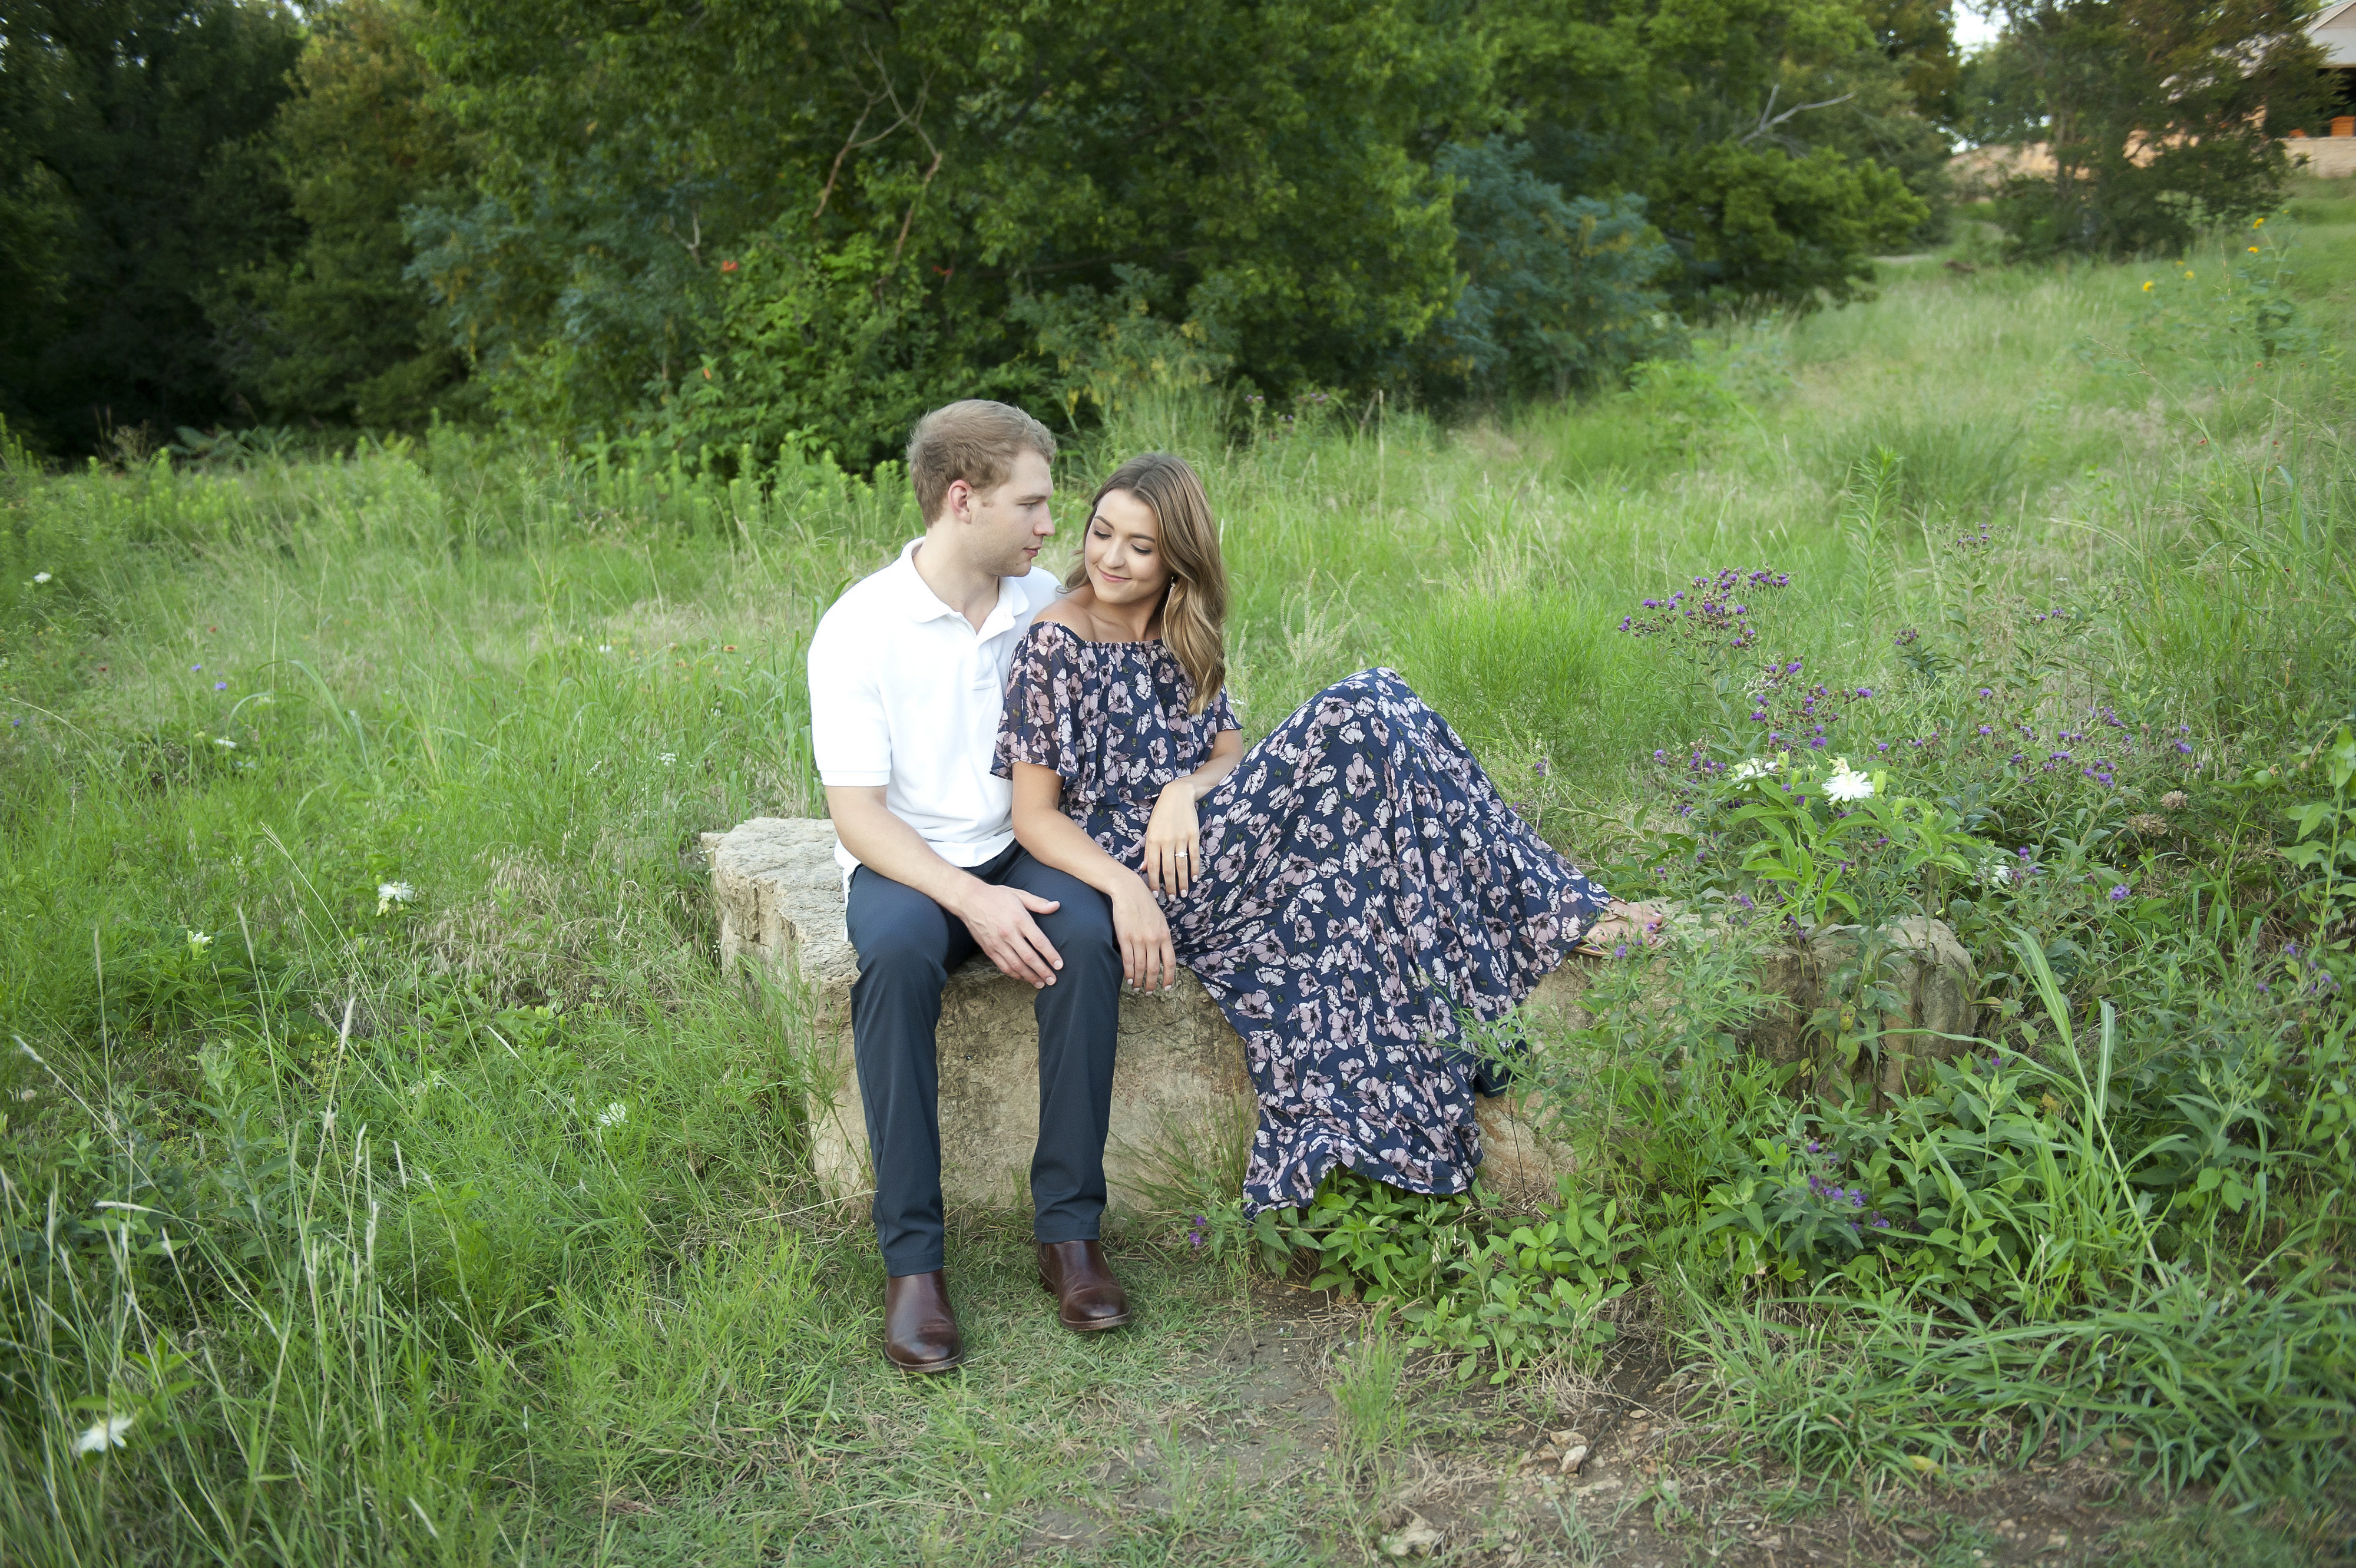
{"x": 1638, "y": 925}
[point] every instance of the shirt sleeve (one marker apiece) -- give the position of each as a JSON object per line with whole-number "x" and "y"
{"x": 850, "y": 735}
{"x": 1040, "y": 723}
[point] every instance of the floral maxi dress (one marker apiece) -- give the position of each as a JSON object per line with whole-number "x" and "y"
{"x": 1364, "y": 888}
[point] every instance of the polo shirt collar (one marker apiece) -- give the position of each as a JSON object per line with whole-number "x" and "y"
{"x": 921, "y": 604}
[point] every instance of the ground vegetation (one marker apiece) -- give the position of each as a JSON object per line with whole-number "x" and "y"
{"x": 387, "y": 1173}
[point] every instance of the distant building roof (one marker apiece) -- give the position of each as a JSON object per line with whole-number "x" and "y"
{"x": 2335, "y": 28}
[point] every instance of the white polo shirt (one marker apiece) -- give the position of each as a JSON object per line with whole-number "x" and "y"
{"x": 906, "y": 693}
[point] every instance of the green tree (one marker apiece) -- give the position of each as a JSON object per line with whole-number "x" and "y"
{"x": 1756, "y": 129}
{"x": 1560, "y": 292}
{"x": 135, "y": 179}
{"x": 893, "y": 185}
{"x": 2156, "y": 113}
{"x": 336, "y": 329}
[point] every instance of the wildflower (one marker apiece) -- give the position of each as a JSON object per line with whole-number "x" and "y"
{"x": 605, "y": 648}
{"x": 195, "y": 669}
{"x": 1540, "y": 769}
{"x": 220, "y": 685}
{"x": 40, "y": 576}
{"x": 2257, "y": 223}
{"x": 1753, "y": 768}
{"x": 1199, "y": 1231}
{"x": 2184, "y": 748}
{"x": 727, "y": 266}
{"x": 2146, "y": 285}
{"x": 1815, "y": 1147}
{"x": 390, "y": 894}
{"x": 667, "y": 757}
{"x": 614, "y": 1115}
{"x": 1865, "y": 691}
{"x": 2174, "y": 801}
{"x": 2119, "y": 894}
{"x": 1848, "y": 785}
{"x": 112, "y": 1433}
{"x": 1880, "y": 1222}
{"x": 1986, "y": 729}
{"x": 197, "y": 941}
{"x": 1987, "y": 692}
{"x": 2254, "y": 249}
{"x": 224, "y": 742}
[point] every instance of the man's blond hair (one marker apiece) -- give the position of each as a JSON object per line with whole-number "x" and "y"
{"x": 976, "y": 441}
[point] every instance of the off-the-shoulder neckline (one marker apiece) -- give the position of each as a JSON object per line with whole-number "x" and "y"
{"x": 1097, "y": 641}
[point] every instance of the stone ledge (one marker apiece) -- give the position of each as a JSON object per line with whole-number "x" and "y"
{"x": 1181, "y": 1097}
{"x": 1181, "y": 1092}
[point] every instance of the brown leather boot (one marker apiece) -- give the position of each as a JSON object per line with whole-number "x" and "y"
{"x": 920, "y": 1330}
{"x": 1088, "y": 1299}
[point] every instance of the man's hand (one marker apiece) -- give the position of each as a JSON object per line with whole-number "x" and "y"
{"x": 1148, "y": 961}
{"x": 1000, "y": 919}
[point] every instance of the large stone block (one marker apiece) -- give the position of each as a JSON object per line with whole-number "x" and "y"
{"x": 1181, "y": 1099}
{"x": 1916, "y": 959}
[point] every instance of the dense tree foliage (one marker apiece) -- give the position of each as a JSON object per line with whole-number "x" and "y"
{"x": 2156, "y": 113}
{"x": 796, "y": 223}
{"x": 134, "y": 177}
{"x": 334, "y": 329}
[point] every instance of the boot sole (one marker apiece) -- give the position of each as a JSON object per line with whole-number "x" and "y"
{"x": 929, "y": 1369}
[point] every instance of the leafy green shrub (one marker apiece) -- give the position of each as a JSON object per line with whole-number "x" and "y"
{"x": 1560, "y": 292}
{"x": 1482, "y": 1284}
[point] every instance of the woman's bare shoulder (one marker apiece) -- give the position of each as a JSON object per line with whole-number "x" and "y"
{"x": 1065, "y": 613}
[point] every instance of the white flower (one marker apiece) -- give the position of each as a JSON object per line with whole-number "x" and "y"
{"x": 1848, "y": 786}
{"x": 389, "y": 894}
{"x": 1995, "y": 874}
{"x": 199, "y": 941}
{"x": 667, "y": 757}
{"x": 1753, "y": 768}
{"x": 108, "y": 1434}
{"x": 224, "y": 742}
{"x": 613, "y": 1114}
{"x": 40, "y": 576}
{"x": 605, "y": 648}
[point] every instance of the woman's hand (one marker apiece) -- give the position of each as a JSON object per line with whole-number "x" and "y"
{"x": 1174, "y": 840}
{"x": 1148, "y": 961}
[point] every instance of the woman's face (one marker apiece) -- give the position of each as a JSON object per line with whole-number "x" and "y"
{"x": 1123, "y": 551}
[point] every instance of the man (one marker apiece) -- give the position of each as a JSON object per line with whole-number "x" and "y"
{"x": 907, "y": 674}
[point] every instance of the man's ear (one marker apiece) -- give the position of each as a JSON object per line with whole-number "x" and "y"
{"x": 956, "y": 501}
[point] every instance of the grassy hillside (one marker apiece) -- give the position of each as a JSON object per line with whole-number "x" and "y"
{"x": 380, "y": 1137}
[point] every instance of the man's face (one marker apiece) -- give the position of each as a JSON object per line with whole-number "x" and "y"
{"x": 1010, "y": 520}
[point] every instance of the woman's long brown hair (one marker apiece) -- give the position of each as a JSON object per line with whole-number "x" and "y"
{"x": 1195, "y": 605}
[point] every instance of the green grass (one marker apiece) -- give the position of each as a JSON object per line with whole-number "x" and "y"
{"x": 438, "y": 1301}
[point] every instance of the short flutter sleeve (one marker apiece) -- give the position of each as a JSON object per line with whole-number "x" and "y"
{"x": 1221, "y": 715}
{"x": 1048, "y": 718}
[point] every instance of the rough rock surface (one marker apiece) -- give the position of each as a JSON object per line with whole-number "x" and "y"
{"x": 1919, "y": 958}
{"x": 1182, "y": 1100}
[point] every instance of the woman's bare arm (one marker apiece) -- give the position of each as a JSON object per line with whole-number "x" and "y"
{"x": 1053, "y": 839}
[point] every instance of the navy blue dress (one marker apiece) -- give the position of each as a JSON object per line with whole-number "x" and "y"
{"x": 1363, "y": 889}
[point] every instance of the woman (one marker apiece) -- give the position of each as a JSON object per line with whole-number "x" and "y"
{"x": 1346, "y": 890}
